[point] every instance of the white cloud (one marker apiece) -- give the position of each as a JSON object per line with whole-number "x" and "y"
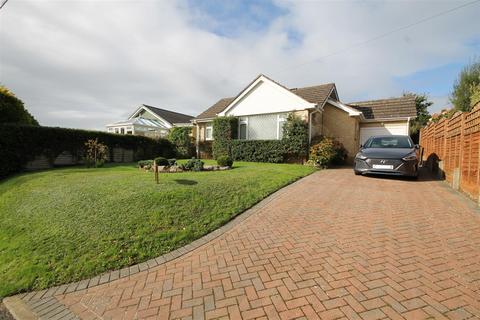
{"x": 88, "y": 63}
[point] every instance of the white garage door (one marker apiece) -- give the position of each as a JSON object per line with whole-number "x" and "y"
{"x": 388, "y": 129}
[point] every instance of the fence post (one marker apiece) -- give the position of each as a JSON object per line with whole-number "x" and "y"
{"x": 457, "y": 170}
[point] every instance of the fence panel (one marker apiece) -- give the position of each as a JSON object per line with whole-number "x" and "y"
{"x": 455, "y": 144}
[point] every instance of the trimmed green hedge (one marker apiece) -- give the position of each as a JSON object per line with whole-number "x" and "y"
{"x": 224, "y": 130}
{"x": 295, "y": 137}
{"x": 21, "y": 144}
{"x": 258, "y": 150}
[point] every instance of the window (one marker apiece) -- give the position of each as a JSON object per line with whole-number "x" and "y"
{"x": 282, "y": 118}
{"x": 261, "y": 126}
{"x": 122, "y": 130}
{"x": 129, "y": 132}
{"x": 209, "y": 132}
{"x": 242, "y": 132}
{"x": 116, "y": 130}
{"x": 242, "y": 128}
{"x": 389, "y": 142}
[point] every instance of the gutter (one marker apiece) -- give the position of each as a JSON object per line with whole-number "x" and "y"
{"x": 388, "y": 119}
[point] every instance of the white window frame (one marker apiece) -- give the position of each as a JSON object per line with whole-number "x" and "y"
{"x": 209, "y": 127}
{"x": 280, "y": 118}
{"x": 245, "y": 122}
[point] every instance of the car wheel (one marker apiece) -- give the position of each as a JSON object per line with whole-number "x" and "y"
{"x": 357, "y": 173}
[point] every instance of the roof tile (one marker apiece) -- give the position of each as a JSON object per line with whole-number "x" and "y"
{"x": 170, "y": 116}
{"x": 387, "y": 108}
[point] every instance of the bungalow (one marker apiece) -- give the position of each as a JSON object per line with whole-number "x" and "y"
{"x": 150, "y": 121}
{"x": 263, "y": 106}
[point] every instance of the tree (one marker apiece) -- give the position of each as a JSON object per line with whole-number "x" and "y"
{"x": 12, "y": 109}
{"x": 475, "y": 95}
{"x": 423, "y": 116}
{"x": 181, "y": 138}
{"x": 96, "y": 153}
{"x": 464, "y": 86}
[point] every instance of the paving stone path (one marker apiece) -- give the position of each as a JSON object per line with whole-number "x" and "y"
{"x": 331, "y": 246}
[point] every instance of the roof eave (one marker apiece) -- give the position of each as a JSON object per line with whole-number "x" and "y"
{"x": 351, "y": 111}
{"x": 406, "y": 118}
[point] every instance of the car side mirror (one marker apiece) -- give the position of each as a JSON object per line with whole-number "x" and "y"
{"x": 417, "y": 146}
{"x": 361, "y": 146}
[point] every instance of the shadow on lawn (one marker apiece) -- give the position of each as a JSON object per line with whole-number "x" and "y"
{"x": 185, "y": 182}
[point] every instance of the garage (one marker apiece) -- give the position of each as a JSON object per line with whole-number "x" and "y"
{"x": 385, "y": 117}
{"x": 377, "y": 129}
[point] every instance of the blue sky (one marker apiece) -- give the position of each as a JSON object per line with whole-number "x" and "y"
{"x": 89, "y": 63}
{"x": 233, "y": 18}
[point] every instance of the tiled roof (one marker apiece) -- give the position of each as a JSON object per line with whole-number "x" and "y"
{"x": 387, "y": 108}
{"x": 218, "y": 107}
{"x": 316, "y": 94}
{"x": 170, "y": 116}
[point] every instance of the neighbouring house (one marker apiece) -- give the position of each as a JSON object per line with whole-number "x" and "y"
{"x": 151, "y": 122}
{"x": 263, "y": 106}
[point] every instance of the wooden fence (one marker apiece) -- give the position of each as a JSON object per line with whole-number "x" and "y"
{"x": 452, "y": 146}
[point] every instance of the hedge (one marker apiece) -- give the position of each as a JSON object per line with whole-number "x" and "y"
{"x": 224, "y": 130}
{"x": 295, "y": 137}
{"x": 258, "y": 150}
{"x": 21, "y": 144}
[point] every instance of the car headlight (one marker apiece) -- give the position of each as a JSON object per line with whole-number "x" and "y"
{"x": 410, "y": 157}
{"x": 360, "y": 156}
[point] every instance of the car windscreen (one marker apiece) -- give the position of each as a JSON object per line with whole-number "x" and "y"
{"x": 389, "y": 142}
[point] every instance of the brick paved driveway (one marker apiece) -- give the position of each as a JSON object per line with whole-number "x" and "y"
{"x": 332, "y": 246}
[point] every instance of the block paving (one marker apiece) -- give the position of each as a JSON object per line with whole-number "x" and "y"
{"x": 330, "y": 246}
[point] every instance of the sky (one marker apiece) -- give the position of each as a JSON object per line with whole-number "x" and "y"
{"x": 84, "y": 64}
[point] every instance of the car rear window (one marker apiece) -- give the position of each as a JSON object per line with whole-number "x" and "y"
{"x": 389, "y": 142}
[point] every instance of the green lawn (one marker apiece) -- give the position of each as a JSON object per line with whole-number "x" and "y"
{"x": 64, "y": 225}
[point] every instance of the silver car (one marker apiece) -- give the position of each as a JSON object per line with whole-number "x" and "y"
{"x": 390, "y": 155}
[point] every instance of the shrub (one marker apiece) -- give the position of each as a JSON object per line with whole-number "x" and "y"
{"x": 145, "y": 164}
{"x": 95, "y": 153}
{"x": 258, "y": 150}
{"x": 194, "y": 165}
{"x": 161, "y": 161}
{"x": 172, "y": 162}
{"x": 295, "y": 137}
{"x": 327, "y": 151}
{"x": 181, "y": 138}
{"x": 224, "y": 161}
{"x": 21, "y": 144}
{"x": 224, "y": 130}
